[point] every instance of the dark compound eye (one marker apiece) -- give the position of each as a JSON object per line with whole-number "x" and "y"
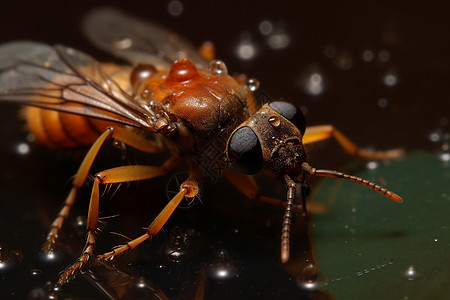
{"x": 244, "y": 151}
{"x": 290, "y": 112}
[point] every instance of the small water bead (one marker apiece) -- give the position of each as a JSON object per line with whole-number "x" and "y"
{"x": 384, "y": 56}
{"x": 382, "y": 102}
{"x": 35, "y": 272}
{"x": 390, "y": 79}
{"x": 368, "y": 56}
{"x": 218, "y": 67}
{"x": 312, "y": 81}
{"x": 182, "y": 70}
{"x": 223, "y": 267}
{"x": 278, "y": 40}
{"x": 344, "y": 61}
{"x": 23, "y": 148}
{"x": 175, "y": 8}
{"x": 252, "y": 84}
{"x": 246, "y": 49}
{"x": 265, "y": 27}
{"x": 50, "y": 256}
{"x": 329, "y": 51}
{"x": 411, "y": 273}
{"x": 140, "y": 73}
{"x": 308, "y": 280}
{"x": 274, "y": 121}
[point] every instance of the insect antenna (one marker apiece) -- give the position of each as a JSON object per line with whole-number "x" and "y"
{"x": 330, "y": 173}
{"x": 287, "y": 218}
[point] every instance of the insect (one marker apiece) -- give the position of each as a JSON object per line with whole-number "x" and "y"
{"x": 169, "y": 98}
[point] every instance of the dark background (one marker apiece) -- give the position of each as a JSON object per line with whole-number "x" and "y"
{"x": 407, "y": 40}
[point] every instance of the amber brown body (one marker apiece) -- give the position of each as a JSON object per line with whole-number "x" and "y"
{"x": 167, "y": 102}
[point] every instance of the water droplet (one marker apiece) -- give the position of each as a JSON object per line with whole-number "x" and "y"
{"x": 23, "y": 149}
{"x": 344, "y": 61}
{"x": 382, "y": 102}
{"x": 308, "y": 280}
{"x": 182, "y": 70}
{"x": 274, "y": 121}
{"x": 312, "y": 81}
{"x": 246, "y": 49}
{"x": 141, "y": 284}
{"x": 35, "y": 272}
{"x": 444, "y": 157}
{"x": 434, "y": 136}
{"x": 80, "y": 222}
{"x": 252, "y": 84}
{"x": 265, "y": 27}
{"x": 384, "y": 56}
{"x": 50, "y": 256}
{"x": 330, "y": 51}
{"x": 218, "y": 67}
{"x": 279, "y": 40}
{"x": 368, "y": 55}
{"x": 175, "y": 8}
{"x": 390, "y": 79}
{"x": 411, "y": 273}
{"x": 30, "y": 138}
{"x": 372, "y": 165}
{"x": 223, "y": 267}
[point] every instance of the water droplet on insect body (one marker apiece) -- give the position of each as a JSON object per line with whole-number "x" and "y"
{"x": 218, "y": 67}
{"x": 274, "y": 121}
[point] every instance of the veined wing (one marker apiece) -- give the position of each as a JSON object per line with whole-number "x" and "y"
{"x": 63, "y": 79}
{"x": 136, "y": 40}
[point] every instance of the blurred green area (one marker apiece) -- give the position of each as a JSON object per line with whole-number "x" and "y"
{"x": 370, "y": 247}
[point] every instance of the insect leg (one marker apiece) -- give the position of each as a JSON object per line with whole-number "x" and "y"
{"x": 129, "y": 137}
{"x": 189, "y": 188}
{"x": 247, "y": 186}
{"x": 78, "y": 181}
{"x": 114, "y": 175}
{"x": 318, "y": 133}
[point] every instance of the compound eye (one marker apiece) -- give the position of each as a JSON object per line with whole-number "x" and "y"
{"x": 291, "y": 113}
{"x": 244, "y": 151}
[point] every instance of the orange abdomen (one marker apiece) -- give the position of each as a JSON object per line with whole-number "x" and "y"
{"x": 62, "y": 130}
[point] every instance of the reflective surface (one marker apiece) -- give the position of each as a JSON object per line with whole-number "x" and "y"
{"x": 377, "y": 72}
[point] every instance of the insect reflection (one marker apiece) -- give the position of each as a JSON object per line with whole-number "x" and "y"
{"x": 169, "y": 98}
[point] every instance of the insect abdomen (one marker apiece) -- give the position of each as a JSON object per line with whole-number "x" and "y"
{"x": 62, "y": 130}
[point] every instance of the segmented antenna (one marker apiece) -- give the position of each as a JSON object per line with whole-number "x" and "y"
{"x": 286, "y": 227}
{"x": 329, "y": 173}
{"x": 287, "y": 218}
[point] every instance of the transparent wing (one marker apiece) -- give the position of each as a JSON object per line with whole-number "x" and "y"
{"x": 63, "y": 79}
{"x": 137, "y": 40}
